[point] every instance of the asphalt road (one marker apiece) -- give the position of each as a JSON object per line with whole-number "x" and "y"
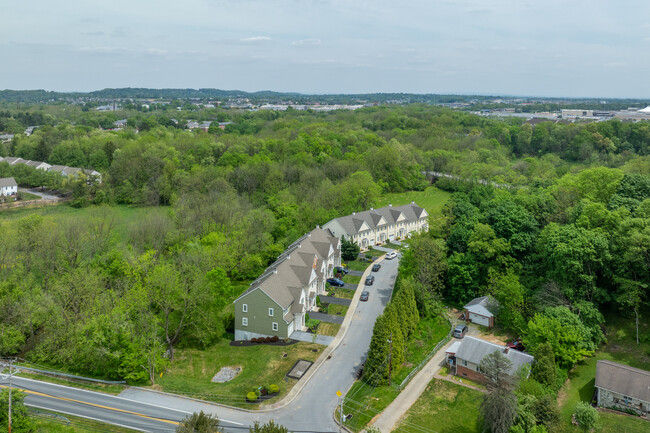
{"x": 311, "y": 411}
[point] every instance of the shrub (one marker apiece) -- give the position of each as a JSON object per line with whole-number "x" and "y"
{"x": 275, "y": 339}
{"x": 273, "y": 388}
{"x": 264, "y": 391}
{"x": 268, "y": 339}
{"x": 254, "y": 340}
{"x": 258, "y": 392}
{"x": 229, "y": 322}
{"x": 251, "y": 396}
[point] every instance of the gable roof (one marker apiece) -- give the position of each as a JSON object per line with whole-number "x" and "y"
{"x": 374, "y": 218}
{"x": 7, "y": 182}
{"x": 474, "y": 350}
{"x": 622, "y": 379}
{"x": 284, "y": 279}
{"x": 484, "y": 306}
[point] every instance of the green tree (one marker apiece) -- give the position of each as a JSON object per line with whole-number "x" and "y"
{"x": 586, "y": 416}
{"x": 269, "y": 427}
{"x": 544, "y": 369}
{"x": 20, "y": 421}
{"x": 349, "y": 249}
{"x": 199, "y": 423}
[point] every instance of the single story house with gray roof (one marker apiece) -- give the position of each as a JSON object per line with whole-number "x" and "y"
{"x": 275, "y": 304}
{"x": 622, "y": 387}
{"x": 377, "y": 226}
{"x": 472, "y": 350}
{"x": 482, "y": 310}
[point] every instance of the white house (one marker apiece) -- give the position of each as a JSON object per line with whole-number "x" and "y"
{"x": 482, "y": 310}
{"x": 377, "y": 226}
{"x": 8, "y": 187}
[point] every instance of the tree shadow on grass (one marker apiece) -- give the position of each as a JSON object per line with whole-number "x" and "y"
{"x": 587, "y": 391}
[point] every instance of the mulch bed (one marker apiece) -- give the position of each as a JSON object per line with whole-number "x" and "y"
{"x": 262, "y": 398}
{"x": 246, "y": 343}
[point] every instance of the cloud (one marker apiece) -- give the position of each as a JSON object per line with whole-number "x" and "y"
{"x": 256, "y": 39}
{"x": 306, "y": 43}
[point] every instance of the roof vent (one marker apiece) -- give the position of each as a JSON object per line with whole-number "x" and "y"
{"x": 372, "y": 208}
{"x": 354, "y": 213}
{"x": 275, "y": 270}
{"x": 412, "y": 202}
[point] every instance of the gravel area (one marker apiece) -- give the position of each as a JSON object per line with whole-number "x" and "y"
{"x": 226, "y": 374}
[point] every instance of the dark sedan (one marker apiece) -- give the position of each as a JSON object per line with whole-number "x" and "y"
{"x": 369, "y": 280}
{"x": 364, "y": 296}
{"x": 335, "y": 282}
{"x": 376, "y": 267}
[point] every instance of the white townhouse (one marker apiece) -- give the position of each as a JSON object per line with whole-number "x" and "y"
{"x": 8, "y": 187}
{"x": 377, "y": 226}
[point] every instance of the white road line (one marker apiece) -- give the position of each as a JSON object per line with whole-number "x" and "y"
{"x": 89, "y": 417}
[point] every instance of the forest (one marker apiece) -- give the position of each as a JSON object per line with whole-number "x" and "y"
{"x": 206, "y": 212}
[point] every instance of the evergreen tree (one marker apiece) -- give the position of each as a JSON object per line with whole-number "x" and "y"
{"x": 199, "y": 423}
{"x": 349, "y": 249}
{"x": 544, "y": 370}
{"x": 375, "y": 371}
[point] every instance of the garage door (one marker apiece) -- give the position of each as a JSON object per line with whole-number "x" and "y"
{"x": 481, "y": 320}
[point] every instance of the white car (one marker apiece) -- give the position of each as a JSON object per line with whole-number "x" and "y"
{"x": 391, "y": 255}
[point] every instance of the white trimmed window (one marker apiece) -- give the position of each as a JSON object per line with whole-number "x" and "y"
{"x": 270, "y": 312}
{"x": 275, "y": 326}
{"x": 244, "y": 321}
{"x": 244, "y": 308}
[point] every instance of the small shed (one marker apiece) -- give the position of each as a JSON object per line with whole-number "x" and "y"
{"x": 482, "y": 310}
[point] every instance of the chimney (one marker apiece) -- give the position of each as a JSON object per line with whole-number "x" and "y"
{"x": 506, "y": 350}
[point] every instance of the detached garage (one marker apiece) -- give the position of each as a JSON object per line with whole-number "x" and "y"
{"x": 482, "y": 311}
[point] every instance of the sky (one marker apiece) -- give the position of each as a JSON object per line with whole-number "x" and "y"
{"x": 578, "y": 48}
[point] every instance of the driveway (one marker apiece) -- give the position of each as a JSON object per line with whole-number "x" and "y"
{"x": 42, "y": 194}
{"x": 329, "y": 318}
{"x": 333, "y": 300}
{"x": 325, "y": 340}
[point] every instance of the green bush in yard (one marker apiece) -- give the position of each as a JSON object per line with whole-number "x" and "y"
{"x": 251, "y": 396}
{"x": 273, "y": 388}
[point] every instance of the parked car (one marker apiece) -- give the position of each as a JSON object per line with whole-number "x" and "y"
{"x": 376, "y": 267}
{"x": 460, "y": 331}
{"x": 369, "y": 280}
{"x": 391, "y": 255}
{"x": 335, "y": 282}
{"x": 364, "y": 295}
{"x": 517, "y": 345}
{"x": 340, "y": 270}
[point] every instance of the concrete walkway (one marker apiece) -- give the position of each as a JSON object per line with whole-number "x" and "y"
{"x": 329, "y": 318}
{"x": 333, "y": 300}
{"x": 325, "y": 340}
{"x": 388, "y": 419}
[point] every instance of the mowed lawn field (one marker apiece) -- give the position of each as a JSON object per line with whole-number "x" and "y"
{"x": 432, "y": 199}
{"x": 445, "y": 408}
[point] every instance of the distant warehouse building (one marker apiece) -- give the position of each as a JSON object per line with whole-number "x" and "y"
{"x": 377, "y": 226}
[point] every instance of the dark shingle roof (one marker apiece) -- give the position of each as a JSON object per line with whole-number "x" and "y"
{"x": 622, "y": 379}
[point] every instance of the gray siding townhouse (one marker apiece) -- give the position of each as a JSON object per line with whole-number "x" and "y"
{"x": 623, "y": 387}
{"x": 277, "y": 301}
{"x": 377, "y": 226}
{"x": 471, "y": 351}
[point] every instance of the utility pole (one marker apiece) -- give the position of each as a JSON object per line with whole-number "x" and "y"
{"x": 11, "y": 373}
{"x": 390, "y": 359}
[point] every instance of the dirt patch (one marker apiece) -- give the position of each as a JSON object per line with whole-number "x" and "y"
{"x": 562, "y": 395}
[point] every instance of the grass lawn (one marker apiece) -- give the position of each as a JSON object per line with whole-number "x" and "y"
{"x": 393, "y": 246}
{"x": 352, "y": 279}
{"x": 330, "y": 329}
{"x": 374, "y": 253}
{"x": 432, "y": 199}
{"x": 356, "y": 265}
{"x": 445, "y": 407}
{"x": 108, "y": 389}
{"x": 342, "y": 293}
{"x": 430, "y": 331}
{"x": 29, "y": 196}
{"x": 364, "y": 401}
{"x": 337, "y": 310}
{"x": 193, "y": 370}
{"x": 621, "y": 347}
